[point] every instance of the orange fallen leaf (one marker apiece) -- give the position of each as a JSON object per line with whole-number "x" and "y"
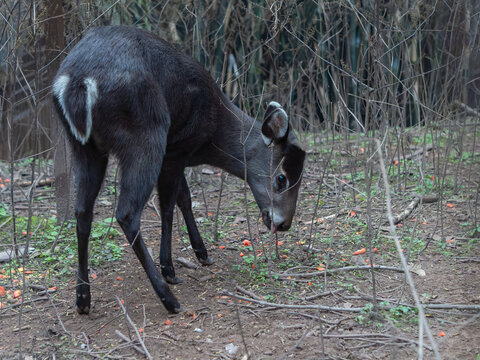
{"x": 279, "y": 243}
{"x": 221, "y": 247}
{"x": 451, "y": 241}
{"x": 375, "y": 249}
{"x": 93, "y": 276}
{"x": 53, "y": 288}
{"x": 194, "y": 316}
{"x": 28, "y": 272}
{"x": 359, "y": 252}
{"x": 209, "y": 214}
{"x": 352, "y": 213}
{"x": 451, "y": 206}
{"x": 320, "y": 268}
{"x": 309, "y": 283}
{"x": 119, "y": 278}
{"x": 2, "y": 291}
{"x": 168, "y": 322}
{"x": 246, "y": 243}
{"x": 17, "y": 293}
{"x": 219, "y": 315}
{"x": 441, "y": 333}
{"x": 140, "y": 330}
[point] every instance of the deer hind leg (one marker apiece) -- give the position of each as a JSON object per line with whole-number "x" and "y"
{"x": 90, "y": 165}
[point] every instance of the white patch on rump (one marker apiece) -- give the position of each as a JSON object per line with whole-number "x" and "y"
{"x": 92, "y": 95}
{"x": 59, "y": 88}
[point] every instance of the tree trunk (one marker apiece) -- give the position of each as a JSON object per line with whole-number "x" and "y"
{"x": 55, "y": 43}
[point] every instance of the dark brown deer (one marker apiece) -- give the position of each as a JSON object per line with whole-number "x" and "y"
{"x": 126, "y": 92}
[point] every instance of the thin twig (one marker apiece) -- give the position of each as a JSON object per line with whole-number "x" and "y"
{"x": 140, "y": 340}
{"x": 126, "y": 339}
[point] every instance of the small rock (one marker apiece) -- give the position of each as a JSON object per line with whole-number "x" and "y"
{"x": 358, "y": 260}
{"x": 231, "y": 349}
{"x": 105, "y": 202}
{"x": 417, "y": 269}
{"x": 9, "y": 254}
{"x": 207, "y": 171}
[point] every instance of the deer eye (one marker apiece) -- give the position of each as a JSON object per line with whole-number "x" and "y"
{"x": 281, "y": 179}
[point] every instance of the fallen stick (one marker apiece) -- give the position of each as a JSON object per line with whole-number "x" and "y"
{"x": 467, "y": 108}
{"x": 147, "y": 354}
{"x": 129, "y": 341}
{"x": 346, "y": 268}
{"x": 246, "y": 292}
{"x": 326, "y": 293}
{"x": 43, "y": 182}
{"x": 187, "y": 263}
{"x": 385, "y": 336}
{"x": 413, "y": 204}
{"x": 288, "y": 306}
{"x": 23, "y": 303}
{"x": 414, "y": 154}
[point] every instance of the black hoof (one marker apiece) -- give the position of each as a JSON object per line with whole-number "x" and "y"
{"x": 83, "y": 303}
{"x": 206, "y": 262}
{"x": 83, "y": 310}
{"x": 172, "y": 305}
{"x": 174, "y": 280}
{"x": 178, "y": 310}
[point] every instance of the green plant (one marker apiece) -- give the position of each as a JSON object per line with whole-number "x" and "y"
{"x": 3, "y": 212}
{"x": 362, "y": 319}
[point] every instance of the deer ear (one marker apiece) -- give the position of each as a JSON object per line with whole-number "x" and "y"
{"x": 275, "y": 123}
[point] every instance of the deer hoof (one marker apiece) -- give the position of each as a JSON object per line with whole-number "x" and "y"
{"x": 206, "y": 262}
{"x": 83, "y": 310}
{"x": 174, "y": 280}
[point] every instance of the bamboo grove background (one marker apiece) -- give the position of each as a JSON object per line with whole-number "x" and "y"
{"x": 352, "y": 65}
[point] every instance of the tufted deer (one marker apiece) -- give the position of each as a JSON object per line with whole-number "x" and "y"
{"x": 124, "y": 91}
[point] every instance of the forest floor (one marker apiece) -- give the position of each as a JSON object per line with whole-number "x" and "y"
{"x": 281, "y": 304}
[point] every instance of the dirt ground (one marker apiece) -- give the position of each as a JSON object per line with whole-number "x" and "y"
{"x": 279, "y": 321}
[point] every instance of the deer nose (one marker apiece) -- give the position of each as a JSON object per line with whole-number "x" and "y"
{"x": 283, "y": 226}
